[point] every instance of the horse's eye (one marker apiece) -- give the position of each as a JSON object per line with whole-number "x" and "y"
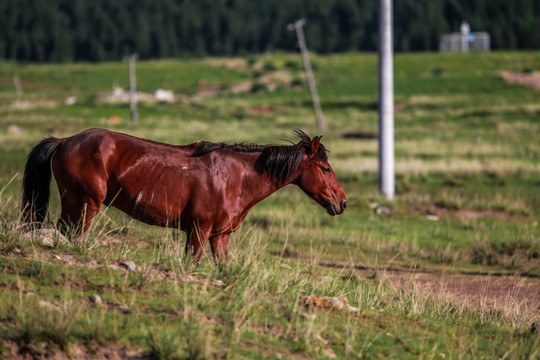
{"x": 325, "y": 170}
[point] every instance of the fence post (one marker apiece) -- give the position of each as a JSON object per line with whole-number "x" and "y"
{"x": 297, "y": 25}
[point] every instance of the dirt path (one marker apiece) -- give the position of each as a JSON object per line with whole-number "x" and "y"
{"x": 471, "y": 290}
{"x": 494, "y": 290}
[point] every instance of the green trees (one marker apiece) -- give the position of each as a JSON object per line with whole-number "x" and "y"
{"x": 97, "y": 30}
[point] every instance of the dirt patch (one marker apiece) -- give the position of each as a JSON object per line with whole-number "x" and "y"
{"x": 496, "y": 292}
{"x": 438, "y": 210}
{"x": 475, "y": 214}
{"x": 527, "y": 79}
{"x": 76, "y": 351}
{"x": 205, "y": 89}
{"x": 234, "y": 64}
{"x": 277, "y": 78}
{"x": 242, "y": 87}
{"x": 263, "y": 110}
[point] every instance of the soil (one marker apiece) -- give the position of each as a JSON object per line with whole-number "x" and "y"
{"x": 528, "y": 79}
{"x": 470, "y": 290}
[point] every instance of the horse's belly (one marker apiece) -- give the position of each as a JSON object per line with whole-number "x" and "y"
{"x": 149, "y": 208}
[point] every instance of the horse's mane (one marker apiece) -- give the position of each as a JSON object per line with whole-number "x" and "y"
{"x": 279, "y": 162}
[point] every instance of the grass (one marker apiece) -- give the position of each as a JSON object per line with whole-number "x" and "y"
{"x": 467, "y": 198}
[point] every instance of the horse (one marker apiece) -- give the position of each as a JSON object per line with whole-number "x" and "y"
{"x": 205, "y": 189}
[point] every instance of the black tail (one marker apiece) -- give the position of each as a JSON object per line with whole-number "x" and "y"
{"x": 37, "y": 179}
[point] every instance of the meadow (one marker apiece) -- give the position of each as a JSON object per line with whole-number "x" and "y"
{"x": 465, "y": 214}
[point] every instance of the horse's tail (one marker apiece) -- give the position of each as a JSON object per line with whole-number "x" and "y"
{"x": 37, "y": 179}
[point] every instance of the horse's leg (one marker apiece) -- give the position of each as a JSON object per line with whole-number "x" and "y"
{"x": 78, "y": 211}
{"x": 196, "y": 241}
{"x": 220, "y": 248}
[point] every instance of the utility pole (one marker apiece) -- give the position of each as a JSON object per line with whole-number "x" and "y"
{"x": 386, "y": 101}
{"x": 132, "y": 88}
{"x": 297, "y": 25}
{"x": 18, "y": 86}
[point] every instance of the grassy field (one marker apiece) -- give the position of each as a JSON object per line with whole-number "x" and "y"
{"x": 468, "y": 198}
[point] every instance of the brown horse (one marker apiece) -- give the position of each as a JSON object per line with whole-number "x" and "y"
{"x": 205, "y": 189}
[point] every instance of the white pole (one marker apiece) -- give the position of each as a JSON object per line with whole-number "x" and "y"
{"x": 386, "y": 101}
{"x": 321, "y": 124}
{"x": 132, "y": 88}
{"x": 18, "y": 86}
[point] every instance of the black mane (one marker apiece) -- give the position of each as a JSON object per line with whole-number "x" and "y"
{"x": 208, "y": 147}
{"x": 279, "y": 162}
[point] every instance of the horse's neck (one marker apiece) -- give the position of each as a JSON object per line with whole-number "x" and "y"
{"x": 259, "y": 186}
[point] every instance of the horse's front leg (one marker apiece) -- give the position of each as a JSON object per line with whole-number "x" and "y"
{"x": 196, "y": 241}
{"x": 220, "y": 248}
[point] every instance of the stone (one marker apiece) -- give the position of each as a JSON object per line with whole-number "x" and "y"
{"x": 128, "y": 265}
{"x": 96, "y": 299}
{"x": 46, "y": 237}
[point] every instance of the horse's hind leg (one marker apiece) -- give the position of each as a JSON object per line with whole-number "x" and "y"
{"x": 77, "y": 213}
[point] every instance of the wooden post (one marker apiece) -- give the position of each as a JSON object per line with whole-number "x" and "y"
{"x": 321, "y": 124}
{"x": 132, "y": 88}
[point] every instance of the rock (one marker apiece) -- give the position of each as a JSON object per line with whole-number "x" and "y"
{"x": 382, "y": 211}
{"x": 70, "y": 100}
{"x": 164, "y": 95}
{"x": 286, "y": 266}
{"x": 14, "y": 129}
{"x": 128, "y": 265}
{"x": 96, "y": 299}
{"x": 46, "y": 237}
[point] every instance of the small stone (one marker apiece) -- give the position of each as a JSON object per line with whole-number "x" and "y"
{"x": 382, "y": 211}
{"x": 14, "y": 129}
{"x": 128, "y": 265}
{"x": 432, "y": 217}
{"x": 46, "y": 237}
{"x": 70, "y": 100}
{"x": 286, "y": 266}
{"x": 164, "y": 95}
{"x": 96, "y": 299}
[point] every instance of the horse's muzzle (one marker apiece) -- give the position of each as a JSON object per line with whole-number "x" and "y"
{"x": 334, "y": 210}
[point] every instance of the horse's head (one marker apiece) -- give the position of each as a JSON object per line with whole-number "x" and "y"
{"x": 318, "y": 180}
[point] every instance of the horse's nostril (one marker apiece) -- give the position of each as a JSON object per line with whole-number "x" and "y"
{"x": 344, "y": 204}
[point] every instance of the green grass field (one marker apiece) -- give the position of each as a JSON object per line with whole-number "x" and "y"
{"x": 467, "y": 202}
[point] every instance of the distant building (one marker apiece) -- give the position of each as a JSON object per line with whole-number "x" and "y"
{"x": 465, "y": 41}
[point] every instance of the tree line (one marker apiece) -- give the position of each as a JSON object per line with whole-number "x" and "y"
{"x": 99, "y": 30}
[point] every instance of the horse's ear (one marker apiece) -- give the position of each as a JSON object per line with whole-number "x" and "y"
{"x": 315, "y": 144}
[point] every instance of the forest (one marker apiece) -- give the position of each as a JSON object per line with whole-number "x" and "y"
{"x": 103, "y": 30}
